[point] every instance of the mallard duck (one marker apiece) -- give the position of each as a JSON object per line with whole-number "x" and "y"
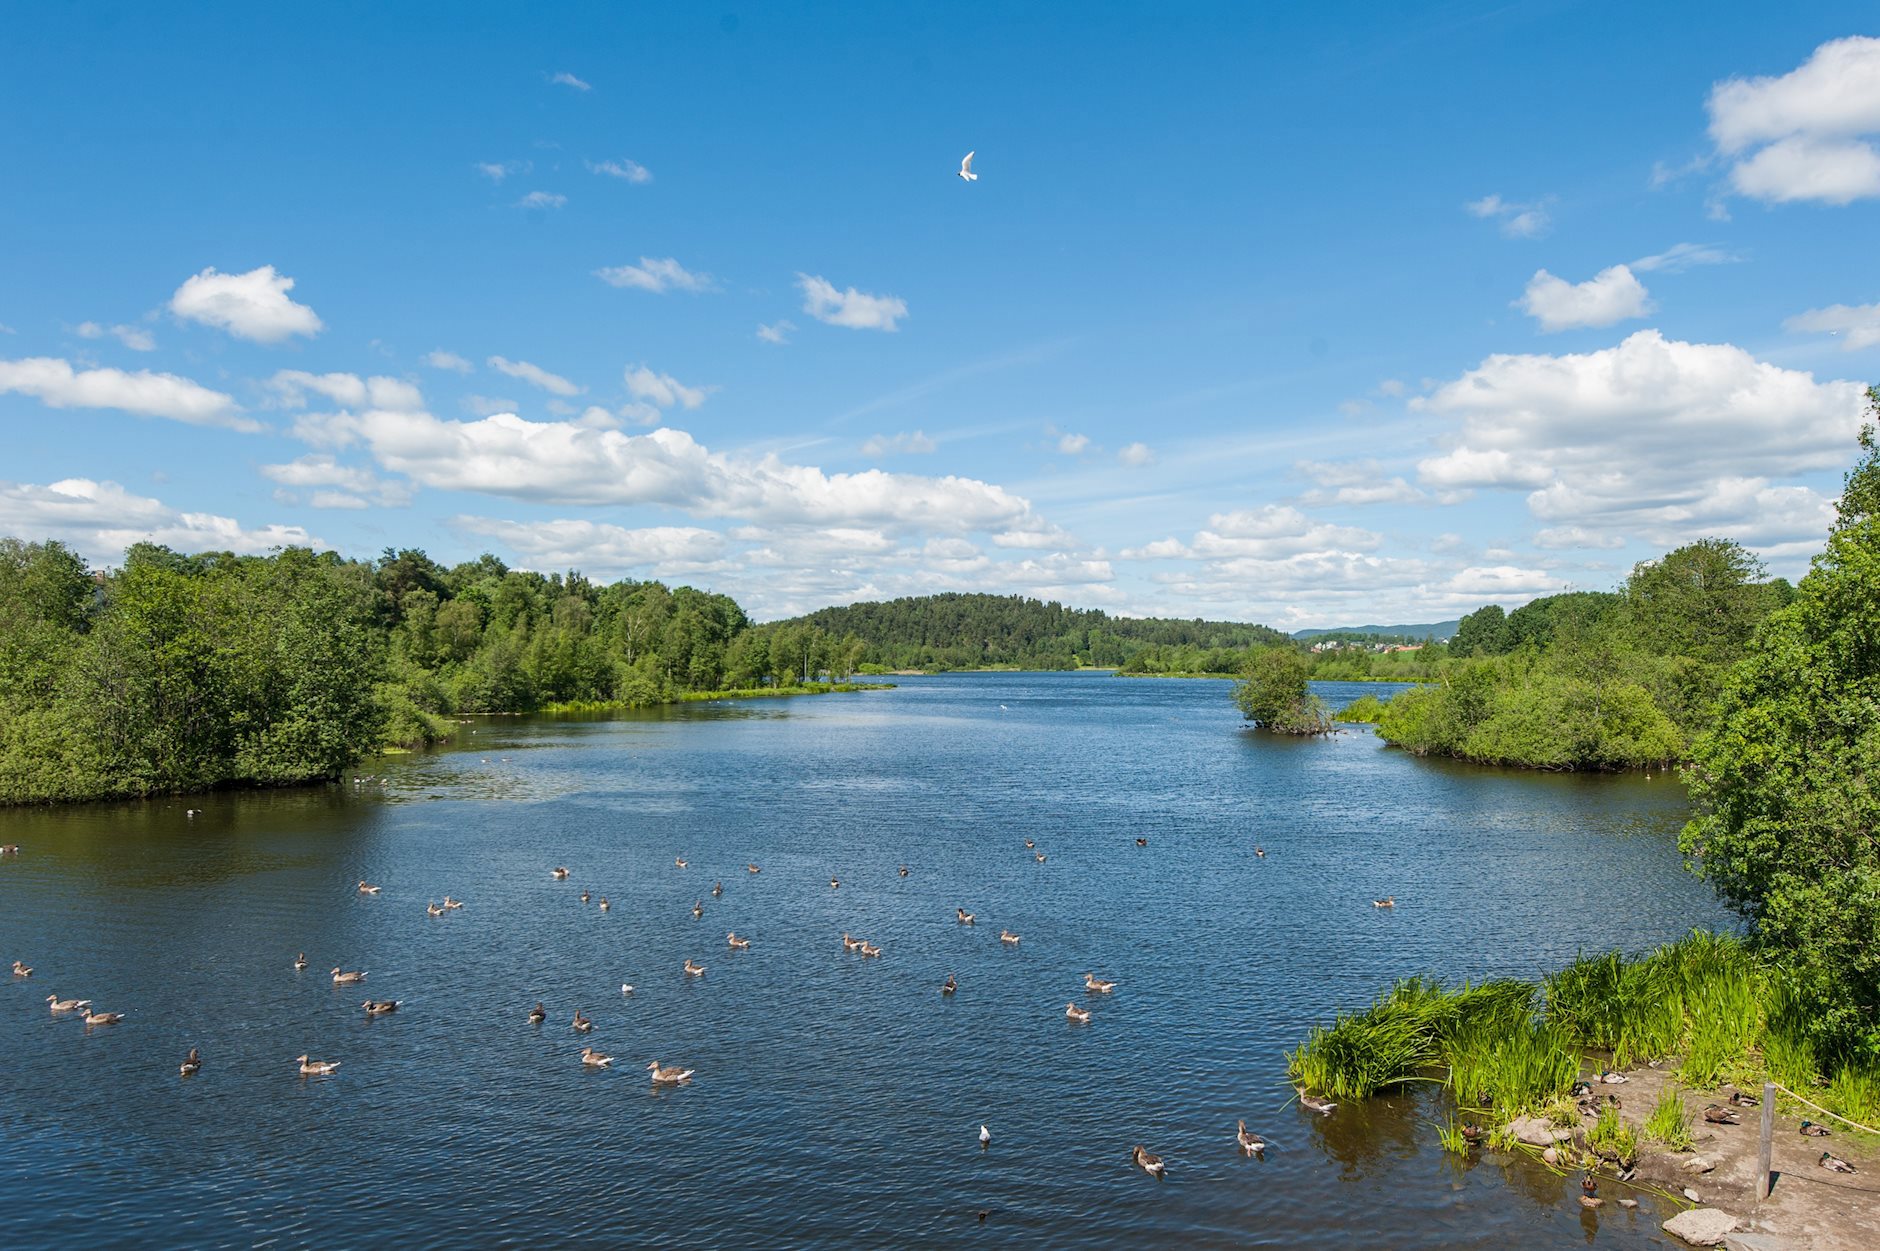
{"x": 20, "y": 969}
{"x": 103, "y": 1018}
{"x": 1589, "y": 1191}
{"x": 1471, "y": 1133}
{"x": 1148, "y": 1162}
{"x": 316, "y": 1068}
{"x": 1252, "y": 1144}
{"x": 1388, "y": 901}
{"x": 1717, "y": 1114}
{"x": 834, "y": 883}
{"x": 694, "y": 970}
{"x": 1142, "y": 842}
{"x": 537, "y": 1014}
{"x": 452, "y": 904}
{"x": 344, "y": 979}
{"x": 1580, "y": 1089}
{"x": 679, "y": 862}
{"x": 718, "y": 888}
{"x": 735, "y": 943}
{"x": 1740, "y": 1100}
{"x": 949, "y": 986}
{"x": 581, "y": 1024}
{"x": 432, "y": 910}
{"x": 191, "y": 1065}
{"x": 1313, "y": 1103}
{"x": 869, "y": 950}
{"x": 1074, "y": 1013}
{"x": 585, "y": 896}
{"x": 668, "y": 1077}
{"x": 560, "y": 875}
{"x": 1811, "y": 1130}
{"x": 67, "y": 1005}
{"x": 300, "y": 961}
{"x": 1008, "y": 938}
{"x": 1834, "y": 1163}
{"x": 1096, "y": 985}
{"x": 605, "y": 906}
{"x": 903, "y": 870}
{"x": 366, "y": 888}
{"x": 698, "y": 909}
{"x": 379, "y": 1007}
{"x": 751, "y": 868}
{"x": 965, "y": 917}
{"x": 1611, "y": 1078}
{"x": 594, "y": 1059}
{"x": 1260, "y": 852}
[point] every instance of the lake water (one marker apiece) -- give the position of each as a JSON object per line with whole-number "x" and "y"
{"x": 837, "y": 1099}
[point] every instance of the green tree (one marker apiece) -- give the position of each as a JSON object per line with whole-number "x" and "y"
{"x": 1483, "y": 632}
{"x": 1274, "y": 696}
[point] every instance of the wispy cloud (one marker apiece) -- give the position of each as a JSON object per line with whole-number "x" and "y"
{"x": 1136, "y": 455}
{"x": 630, "y": 171}
{"x": 56, "y": 384}
{"x": 657, "y": 275}
{"x": 566, "y": 79}
{"x": 1857, "y": 325}
{"x": 534, "y": 375}
{"x": 496, "y": 171}
{"x": 1682, "y": 256}
{"x": 542, "y": 200}
{"x": 440, "y": 359}
{"x": 907, "y": 443}
{"x": 1518, "y": 221}
{"x": 776, "y": 331}
{"x": 136, "y": 338}
{"x": 855, "y": 309}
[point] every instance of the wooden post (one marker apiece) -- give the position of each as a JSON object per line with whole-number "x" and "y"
{"x": 1768, "y": 1141}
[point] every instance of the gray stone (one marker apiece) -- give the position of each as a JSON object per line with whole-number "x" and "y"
{"x": 1698, "y": 1164}
{"x": 1537, "y": 1131}
{"x": 1756, "y": 1242}
{"x": 1702, "y": 1227}
{"x": 1692, "y": 1195}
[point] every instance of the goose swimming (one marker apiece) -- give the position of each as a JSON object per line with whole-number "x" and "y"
{"x": 1148, "y": 1162}
{"x": 694, "y": 970}
{"x": 698, "y": 909}
{"x": 316, "y": 1068}
{"x": 605, "y": 906}
{"x": 668, "y": 1076}
{"x": 1096, "y": 985}
{"x": 985, "y": 1136}
{"x": 1008, "y": 938}
{"x": 1074, "y": 1013}
{"x": 679, "y": 862}
{"x": 594, "y": 1059}
{"x": 718, "y": 888}
{"x": 1388, "y": 901}
{"x": 300, "y": 961}
{"x": 537, "y": 1014}
{"x": 1252, "y": 1144}
{"x": 344, "y": 979}
{"x": 103, "y": 1018}
{"x": 949, "y": 986}
{"x": 380, "y": 1007}
{"x": 965, "y": 917}
{"x": 20, "y": 969}
{"x": 366, "y": 888}
{"x": 67, "y": 1005}
{"x": 735, "y": 943}
{"x": 560, "y": 875}
{"x": 191, "y": 1065}
{"x": 432, "y": 910}
{"x": 1312, "y": 1103}
{"x": 582, "y": 1025}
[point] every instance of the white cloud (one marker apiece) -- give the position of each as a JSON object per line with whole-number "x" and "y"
{"x": 340, "y": 486}
{"x": 542, "y": 200}
{"x": 629, "y": 171}
{"x": 1518, "y": 221}
{"x": 1042, "y": 537}
{"x": 440, "y": 359}
{"x": 855, "y": 309}
{"x": 565, "y": 79}
{"x": 496, "y": 171}
{"x": 661, "y": 390}
{"x": 776, "y": 332}
{"x": 1858, "y": 325}
{"x": 54, "y": 383}
{"x": 101, "y": 519}
{"x": 1393, "y": 387}
{"x": 254, "y": 305}
{"x": 1810, "y": 130}
{"x": 1613, "y": 294}
{"x": 1073, "y": 444}
{"x": 600, "y": 547}
{"x": 347, "y": 389}
{"x": 572, "y": 463}
{"x": 1682, "y": 256}
{"x": 1577, "y": 537}
{"x": 1656, "y": 439}
{"x": 907, "y": 443}
{"x": 656, "y": 275}
{"x": 534, "y": 375}
{"x": 136, "y": 338}
{"x": 488, "y": 405}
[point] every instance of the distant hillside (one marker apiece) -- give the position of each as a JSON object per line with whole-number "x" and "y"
{"x": 971, "y": 631}
{"x": 1415, "y": 633}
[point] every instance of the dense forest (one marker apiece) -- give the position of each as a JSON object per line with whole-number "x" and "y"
{"x": 954, "y": 631}
{"x": 177, "y": 673}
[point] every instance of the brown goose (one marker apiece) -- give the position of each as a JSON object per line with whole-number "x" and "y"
{"x": 1148, "y": 1162}
{"x": 1252, "y": 1144}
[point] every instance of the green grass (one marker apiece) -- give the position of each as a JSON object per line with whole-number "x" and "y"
{"x": 1669, "y": 1123}
{"x": 1364, "y": 710}
{"x": 1612, "y": 1138}
{"x": 1449, "y": 1134}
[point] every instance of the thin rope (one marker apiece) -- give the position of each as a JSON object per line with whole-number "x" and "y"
{"x": 1817, "y": 1107}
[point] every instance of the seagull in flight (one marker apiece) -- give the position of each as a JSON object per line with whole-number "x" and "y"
{"x": 966, "y": 169}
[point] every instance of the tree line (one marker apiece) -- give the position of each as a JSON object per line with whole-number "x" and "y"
{"x": 183, "y": 672}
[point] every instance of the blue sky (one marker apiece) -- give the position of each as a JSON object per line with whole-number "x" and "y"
{"x": 1301, "y": 314}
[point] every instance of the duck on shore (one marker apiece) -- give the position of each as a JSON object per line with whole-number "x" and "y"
{"x": 1717, "y": 1114}
{"x": 316, "y": 1068}
{"x": 1250, "y": 1143}
{"x": 1834, "y": 1163}
{"x": 1148, "y": 1162}
{"x": 1810, "y": 1129}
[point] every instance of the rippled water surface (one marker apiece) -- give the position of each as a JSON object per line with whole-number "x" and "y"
{"x": 837, "y": 1099}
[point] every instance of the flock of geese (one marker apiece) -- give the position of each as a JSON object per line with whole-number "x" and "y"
{"x": 1249, "y": 1143}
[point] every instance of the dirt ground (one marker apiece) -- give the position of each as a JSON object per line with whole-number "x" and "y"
{"x": 1809, "y": 1207}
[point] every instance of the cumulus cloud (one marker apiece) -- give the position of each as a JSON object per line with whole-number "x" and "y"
{"x": 1613, "y": 294}
{"x": 136, "y": 338}
{"x": 292, "y": 386}
{"x": 101, "y": 519}
{"x": 334, "y": 485}
{"x": 1518, "y": 221}
{"x": 855, "y": 309}
{"x": 661, "y": 390}
{"x": 542, "y": 200}
{"x": 627, "y": 171}
{"x": 1858, "y": 325}
{"x": 440, "y": 359}
{"x": 657, "y": 551}
{"x": 1073, "y": 444}
{"x": 1136, "y": 455}
{"x": 776, "y": 331}
{"x": 254, "y": 305}
{"x": 1656, "y": 439}
{"x": 534, "y": 375}
{"x": 907, "y": 443}
{"x": 657, "y": 275}
{"x": 1807, "y": 134}
{"x": 565, "y": 79}
{"x": 54, "y": 383}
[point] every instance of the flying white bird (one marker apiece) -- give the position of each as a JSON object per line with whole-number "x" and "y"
{"x": 966, "y": 169}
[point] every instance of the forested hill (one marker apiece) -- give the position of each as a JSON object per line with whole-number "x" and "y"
{"x": 956, "y": 631}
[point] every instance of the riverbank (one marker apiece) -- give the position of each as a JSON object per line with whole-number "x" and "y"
{"x": 695, "y": 697}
